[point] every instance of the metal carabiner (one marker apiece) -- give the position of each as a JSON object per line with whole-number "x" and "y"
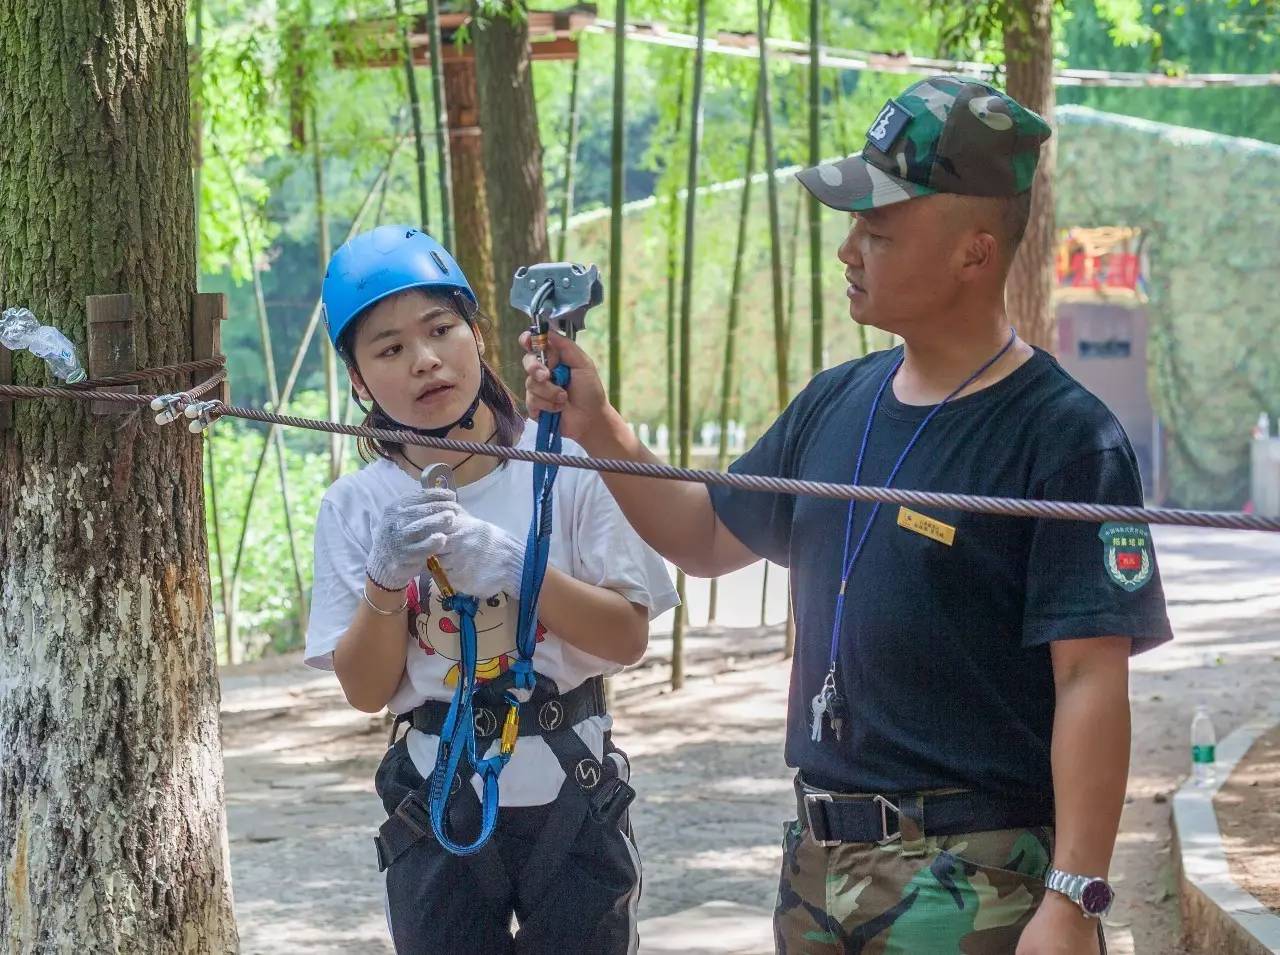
{"x": 438, "y": 476}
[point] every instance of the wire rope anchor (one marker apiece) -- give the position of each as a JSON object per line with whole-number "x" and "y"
{"x": 201, "y": 414}
{"x": 169, "y": 408}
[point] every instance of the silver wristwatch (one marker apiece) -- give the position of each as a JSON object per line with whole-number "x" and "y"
{"x": 1093, "y": 895}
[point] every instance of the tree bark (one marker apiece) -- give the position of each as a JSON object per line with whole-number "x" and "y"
{"x": 1028, "y": 45}
{"x": 512, "y": 165}
{"x": 470, "y": 198}
{"x": 112, "y": 828}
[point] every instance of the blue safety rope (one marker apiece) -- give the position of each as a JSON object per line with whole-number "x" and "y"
{"x": 458, "y": 735}
{"x": 538, "y": 546}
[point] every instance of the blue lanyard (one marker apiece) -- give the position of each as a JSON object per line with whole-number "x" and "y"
{"x": 849, "y": 560}
{"x": 457, "y": 736}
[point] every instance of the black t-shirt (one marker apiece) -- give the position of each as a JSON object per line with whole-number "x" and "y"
{"x": 943, "y": 650}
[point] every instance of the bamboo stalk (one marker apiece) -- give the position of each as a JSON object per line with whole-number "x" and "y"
{"x": 324, "y": 250}
{"x": 816, "y": 343}
{"x": 792, "y": 262}
{"x": 686, "y": 283}
{"x": 617, "y": 164}
{"x": 775, "y": 251}
{"x": 775, "y": 239}
{"x": 731, "y": 330}
{"x": 570, "y": 164}
{"x": 764, "y": 594}
{"x": 681, "y": 612}
{"x": 415, "y": 109}
{"x": 444, "y": 172}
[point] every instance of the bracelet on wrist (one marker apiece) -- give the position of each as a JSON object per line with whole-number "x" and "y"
{"x": 384, "y": 613}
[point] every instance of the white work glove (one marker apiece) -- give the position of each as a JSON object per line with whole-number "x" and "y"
{"x": 412, "y": 529}
{"x": 479, "y": 558}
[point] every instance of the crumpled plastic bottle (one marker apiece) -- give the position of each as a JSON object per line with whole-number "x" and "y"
{"x": 19, "y": 329}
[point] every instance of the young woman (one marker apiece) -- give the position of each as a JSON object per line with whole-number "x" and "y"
{"x": 403, "y": 318}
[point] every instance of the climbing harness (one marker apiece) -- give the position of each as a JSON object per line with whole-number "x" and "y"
{"x": 556, "y": 297}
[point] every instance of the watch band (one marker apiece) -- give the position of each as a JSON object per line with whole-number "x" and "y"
{"x": 1074, "y": 888}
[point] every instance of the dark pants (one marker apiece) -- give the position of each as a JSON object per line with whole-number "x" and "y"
{"x": 568, "y": 871}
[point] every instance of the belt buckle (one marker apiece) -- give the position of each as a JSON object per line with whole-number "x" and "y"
{"x": 885, "y": 808}
{"x": 819, "y": 835}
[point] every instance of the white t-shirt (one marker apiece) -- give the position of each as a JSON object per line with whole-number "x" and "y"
{"x": 591, "y": 541}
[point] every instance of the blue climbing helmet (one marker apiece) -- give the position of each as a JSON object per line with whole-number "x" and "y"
{"x": 382, "y": 262}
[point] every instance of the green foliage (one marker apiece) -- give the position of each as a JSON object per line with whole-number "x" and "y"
{"x": 1205, "y": 210}
{"x": 1209, "y": 36}
{"x": 266, "y": 615}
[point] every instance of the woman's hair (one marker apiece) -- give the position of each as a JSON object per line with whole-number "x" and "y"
{"x": 494, "y": 394}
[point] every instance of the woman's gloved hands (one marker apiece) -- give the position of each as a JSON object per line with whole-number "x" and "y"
{"x": 411, "y": 530}
{"x": 479, "y": 558}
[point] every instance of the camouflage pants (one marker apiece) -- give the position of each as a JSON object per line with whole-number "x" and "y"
{"x": 972, "y": 893}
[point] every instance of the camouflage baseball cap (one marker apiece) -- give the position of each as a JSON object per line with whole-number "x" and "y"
{"x": 944, "y": 134}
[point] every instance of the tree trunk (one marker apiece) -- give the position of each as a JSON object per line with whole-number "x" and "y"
{"x": 1028, "y": 45}
{"x": 470, "y": 198}
{"x": 512, "y": 165}
{"x": 112, "y": 829}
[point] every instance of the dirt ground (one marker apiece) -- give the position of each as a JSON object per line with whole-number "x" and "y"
{"x": 713, "y": 790}
{"x": 1248, "y": 807}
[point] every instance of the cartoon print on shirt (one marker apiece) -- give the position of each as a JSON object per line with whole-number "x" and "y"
{"x": 437, "y": 631}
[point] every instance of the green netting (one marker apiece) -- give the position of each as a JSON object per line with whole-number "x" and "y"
{"x": 1208, "y": 206}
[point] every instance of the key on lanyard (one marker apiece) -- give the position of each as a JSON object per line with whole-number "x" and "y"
{"x": 821, "y": 705}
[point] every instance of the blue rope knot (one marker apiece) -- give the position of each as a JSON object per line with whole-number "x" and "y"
{"x": 462, "y": 604}
{"x": 523, "y": 677}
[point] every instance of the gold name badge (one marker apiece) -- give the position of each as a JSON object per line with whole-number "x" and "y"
{"x": 926, "y": 526}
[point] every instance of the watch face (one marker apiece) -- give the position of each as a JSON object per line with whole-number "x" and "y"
{"x": 1096, "y": 897}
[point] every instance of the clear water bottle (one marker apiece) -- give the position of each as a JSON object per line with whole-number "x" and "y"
{"x": 19, "y": 329}
{"x": 57, "y": 351}
{"x": 1203, "y": 743}
{"x": 16, "y": 326}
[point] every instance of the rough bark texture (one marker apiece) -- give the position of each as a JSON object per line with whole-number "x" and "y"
{"x": 1028, "y": 44}
{"x": 512, "y": 165}
{"x": 112, "y": 831}
{"x": 470, "y": 200}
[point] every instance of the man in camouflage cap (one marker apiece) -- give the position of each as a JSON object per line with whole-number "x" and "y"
{"x": 958, "y": 713}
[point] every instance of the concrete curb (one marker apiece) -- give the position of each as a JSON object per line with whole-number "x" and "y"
{"x": 1217, "y": 915}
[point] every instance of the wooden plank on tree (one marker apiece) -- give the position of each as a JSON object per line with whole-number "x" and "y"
{"x": 207, "y": 316}
{"x": 111, "y": 345}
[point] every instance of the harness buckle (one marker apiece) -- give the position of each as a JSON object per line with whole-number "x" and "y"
{"x": 885, "y": 808}
{"x": 817, "y": 821}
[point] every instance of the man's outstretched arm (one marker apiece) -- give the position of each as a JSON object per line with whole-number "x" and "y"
{"x": 675, "y": 518}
